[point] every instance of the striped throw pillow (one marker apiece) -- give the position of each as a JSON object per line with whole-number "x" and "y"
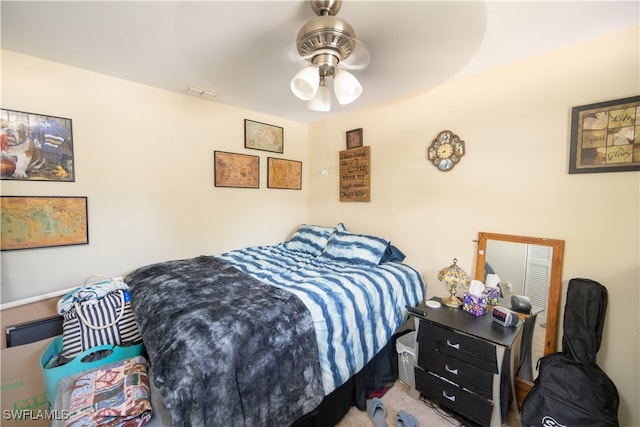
{"x": 311, "y": 239}
{"x": 355, "y": 248}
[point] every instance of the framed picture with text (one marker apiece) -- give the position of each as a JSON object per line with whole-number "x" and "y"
{"x": 355, "y": 175}
{"x": 605, "y": 137}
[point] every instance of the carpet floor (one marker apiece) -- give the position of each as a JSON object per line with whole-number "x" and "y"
{"x": 401, "y": 397}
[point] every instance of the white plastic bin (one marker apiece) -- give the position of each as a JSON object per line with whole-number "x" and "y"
{"x": 406, "y": 348}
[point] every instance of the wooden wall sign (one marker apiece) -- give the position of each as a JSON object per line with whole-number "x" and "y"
{"x": 355, "y": 175}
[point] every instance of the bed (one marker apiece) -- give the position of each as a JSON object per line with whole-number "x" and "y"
{"x": 271, "y": 335}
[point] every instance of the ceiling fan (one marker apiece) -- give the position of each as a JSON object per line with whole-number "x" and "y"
{"x": 325, "y": 42}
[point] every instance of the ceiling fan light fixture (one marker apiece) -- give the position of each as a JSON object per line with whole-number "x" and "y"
{"x": 322, "y": 100}
{"x": 346, "y": 87}
{"x": 325, "y": 41}
{"x": 305, "y": 83}
{"x": 326, "y": 33}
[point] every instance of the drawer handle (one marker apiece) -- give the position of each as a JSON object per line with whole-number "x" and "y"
{"x": 446, "y": 396}
{"x": 451, "y": 371}
{"x": 456, "y": 346}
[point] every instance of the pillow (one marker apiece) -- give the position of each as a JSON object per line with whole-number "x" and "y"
{"x": 311, "y": 239}
{"x": 392, "y": 254}
{"x": 359, "y": 248}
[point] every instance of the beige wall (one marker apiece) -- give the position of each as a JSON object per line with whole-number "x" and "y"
{"x": 144, "y": 159}
{"x": 515, "y": 122}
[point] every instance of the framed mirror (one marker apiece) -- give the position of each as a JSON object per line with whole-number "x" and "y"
{"x": 529, "y": 266}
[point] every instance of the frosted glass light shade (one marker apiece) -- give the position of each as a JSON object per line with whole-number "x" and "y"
{"x": 305, "y": 83}
{"x": 346, "y": 87}
{"x": 322, "y": 100}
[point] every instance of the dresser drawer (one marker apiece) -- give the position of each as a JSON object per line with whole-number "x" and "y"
{"x": 463, "y": 402}
{"x": 473, "y": 350}
{"x": 463, "y": 374}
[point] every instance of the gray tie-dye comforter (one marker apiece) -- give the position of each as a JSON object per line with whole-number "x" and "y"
{"x": 226, "y": 349}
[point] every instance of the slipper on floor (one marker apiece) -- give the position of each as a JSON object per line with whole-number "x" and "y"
{"x": 405, "y": 419}
{"x": 377, "y": 412}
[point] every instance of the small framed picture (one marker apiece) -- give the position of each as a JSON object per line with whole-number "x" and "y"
{"x": 261, "y": 136}
{"x": 354, "y": 138}
{"x": 286, "y": 174}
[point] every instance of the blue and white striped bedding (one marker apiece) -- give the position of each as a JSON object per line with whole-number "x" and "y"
{"x": 355, "y": 307}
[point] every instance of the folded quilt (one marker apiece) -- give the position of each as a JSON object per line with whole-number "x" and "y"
{"x": 116, "y": 395}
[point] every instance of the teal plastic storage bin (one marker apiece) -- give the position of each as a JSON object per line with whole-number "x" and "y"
{"x": 53, "y": 375}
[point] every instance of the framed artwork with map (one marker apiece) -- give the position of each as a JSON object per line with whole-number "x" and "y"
{"x": 282, "y": 173}
{"x": 236, "y": 170}
{"x": 605, "y": 137}
{"x": 43, "y": 221}
{"x": 261, "y": 136}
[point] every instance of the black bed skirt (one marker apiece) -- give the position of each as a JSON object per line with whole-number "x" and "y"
{"x": 381, "y": 371}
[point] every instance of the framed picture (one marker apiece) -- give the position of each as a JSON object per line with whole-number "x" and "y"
{"x": 261, "y": 136}
{"x": 605, "y": 137}
{"x": 236, "y": 170}
{"x": 354, "y": 138}
{"x": 283, "y": 173}
{"x": 36, "y": 147}
{"x": 40, "y": 222}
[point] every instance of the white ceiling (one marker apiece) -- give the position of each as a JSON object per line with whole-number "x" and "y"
{"x": 244, "y": 51}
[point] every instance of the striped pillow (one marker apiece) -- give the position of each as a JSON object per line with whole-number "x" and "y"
{"x": 311, "y": 239}
{"x": 358, "y": 248}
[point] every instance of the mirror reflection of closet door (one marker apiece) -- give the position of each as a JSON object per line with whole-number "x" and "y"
{"x": 530, "y": 266}
{"x": 537, "y": 274}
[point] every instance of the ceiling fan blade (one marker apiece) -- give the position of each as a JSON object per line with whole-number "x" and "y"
{"x": 295, "y": 58}
{"x": 359, "y": 59}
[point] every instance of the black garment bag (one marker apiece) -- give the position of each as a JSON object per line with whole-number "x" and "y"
{"x": 571, "y": 389}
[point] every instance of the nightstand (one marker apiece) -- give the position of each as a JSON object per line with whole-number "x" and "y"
{"x": 464, "y": 363}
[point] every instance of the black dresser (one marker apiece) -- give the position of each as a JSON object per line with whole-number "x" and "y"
{"x": 464, "y": 364}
